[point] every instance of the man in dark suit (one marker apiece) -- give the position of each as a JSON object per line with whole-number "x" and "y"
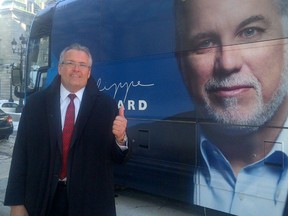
{"x": 37, "y": 185}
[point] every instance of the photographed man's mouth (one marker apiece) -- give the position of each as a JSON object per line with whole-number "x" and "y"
{"x": 232, "y": 91}
{"x": 74, "y": 75}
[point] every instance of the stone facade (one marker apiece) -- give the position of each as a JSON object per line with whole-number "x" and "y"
{"x": 15, "y": 19}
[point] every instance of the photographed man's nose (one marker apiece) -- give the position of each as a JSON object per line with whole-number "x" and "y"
{"x": 229, "y": 59}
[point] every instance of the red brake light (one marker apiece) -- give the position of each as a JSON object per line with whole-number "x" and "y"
{"x": 9, "y": 119}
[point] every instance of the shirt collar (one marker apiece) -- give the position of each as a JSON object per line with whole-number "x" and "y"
{"x": 212, "y": 156}
{"x": 64, "y": 93}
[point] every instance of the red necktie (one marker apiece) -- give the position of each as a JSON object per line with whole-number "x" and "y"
{"x": 67, "y": 134}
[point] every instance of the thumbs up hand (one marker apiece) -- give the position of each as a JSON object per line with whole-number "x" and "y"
{"x": 119, "y": 127}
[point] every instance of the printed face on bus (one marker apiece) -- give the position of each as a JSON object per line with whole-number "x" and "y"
{"x": 74, "y": 70}
{"x": 234, "y": 68}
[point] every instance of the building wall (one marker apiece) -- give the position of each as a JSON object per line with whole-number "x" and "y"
{"x": 15, "y": 19}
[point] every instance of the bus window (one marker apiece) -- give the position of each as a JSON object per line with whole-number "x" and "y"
{"x": 42, "y": 79}
{"x": 38, "y": 58}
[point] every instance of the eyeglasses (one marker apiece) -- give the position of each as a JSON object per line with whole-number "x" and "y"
{"x": 73, "y": 65}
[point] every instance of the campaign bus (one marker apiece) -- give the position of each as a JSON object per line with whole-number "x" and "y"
{"x": 204, "y": 86}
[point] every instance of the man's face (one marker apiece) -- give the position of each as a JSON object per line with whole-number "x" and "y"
{"x": 74, "y": 74}
{"x": 235, "y": 67}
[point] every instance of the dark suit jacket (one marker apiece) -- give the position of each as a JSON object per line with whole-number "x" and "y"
{"x": 36, "y": 158}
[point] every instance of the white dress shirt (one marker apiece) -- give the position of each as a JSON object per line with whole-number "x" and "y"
{"x": 64, "y": 102}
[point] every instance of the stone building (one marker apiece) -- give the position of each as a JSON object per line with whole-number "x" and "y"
{"x": 15, "y": 20}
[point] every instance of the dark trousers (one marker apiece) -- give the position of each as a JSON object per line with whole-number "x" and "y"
{"x": 60, "y": 201}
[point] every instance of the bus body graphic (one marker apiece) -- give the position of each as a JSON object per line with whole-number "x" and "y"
{"x": 204, "y": 90}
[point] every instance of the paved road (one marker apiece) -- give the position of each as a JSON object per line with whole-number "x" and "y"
{"x": 6, "y": 147}
{"x": 135, "y": 203}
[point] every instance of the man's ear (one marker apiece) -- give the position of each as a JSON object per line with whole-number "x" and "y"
{"x": 59, "y": 68}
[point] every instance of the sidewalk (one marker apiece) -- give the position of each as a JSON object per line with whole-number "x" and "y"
{"x": 6, "y": 148}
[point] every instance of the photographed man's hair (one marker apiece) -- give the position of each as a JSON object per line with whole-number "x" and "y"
{"x": 283, "y": 10}
{"x": 78, "y": 47}
{"x": 283, "y": 7}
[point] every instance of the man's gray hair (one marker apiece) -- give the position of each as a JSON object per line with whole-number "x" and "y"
{"x": 78, "y": 47}
{"x": 283, "y": 10}
{"x": 283, "y": 7}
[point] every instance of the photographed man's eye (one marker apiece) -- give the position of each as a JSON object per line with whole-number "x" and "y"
{"x": 251, "y": 32}
{"x": 204, "y": 46}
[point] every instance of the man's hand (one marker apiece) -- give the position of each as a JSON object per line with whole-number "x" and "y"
{"x": 18, "y": 210}
{"x": 119, "y": 127}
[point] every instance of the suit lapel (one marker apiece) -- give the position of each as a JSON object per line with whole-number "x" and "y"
{"x": 89, "y": 99}
{"x": 54, "y": 113}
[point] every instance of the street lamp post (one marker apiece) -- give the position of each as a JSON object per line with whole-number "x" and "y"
{"x": 11, "y": 97}
{"x": 20, "y": 50}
